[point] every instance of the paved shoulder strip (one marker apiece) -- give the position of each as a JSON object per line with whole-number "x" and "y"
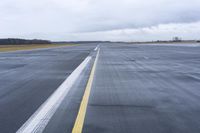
{"x": 78, "y": 126}
{"x": 38, "y": 121}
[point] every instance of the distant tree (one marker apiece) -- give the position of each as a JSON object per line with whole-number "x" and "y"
{"x": 13, "y": 41}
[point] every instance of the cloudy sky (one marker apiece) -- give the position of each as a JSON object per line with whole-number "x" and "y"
{"x": 115, "y": 20}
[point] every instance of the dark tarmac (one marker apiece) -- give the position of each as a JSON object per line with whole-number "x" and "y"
{"x": 136, "y": 88}
{"x": 28, "y": 78}
{"x": 145, "y": 89}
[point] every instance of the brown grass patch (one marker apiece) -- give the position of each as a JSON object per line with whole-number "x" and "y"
{"x": 6, "y": 48}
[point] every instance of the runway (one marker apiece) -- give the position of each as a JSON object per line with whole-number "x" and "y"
{"x": 142, "y": 89}
{"x": 123, "y": 88}
{"x": 28, "y": 78}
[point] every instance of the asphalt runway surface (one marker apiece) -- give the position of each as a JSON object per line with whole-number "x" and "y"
{"x": 135, "y": 88}
{"x": 145, "y": 89}
{"x": 28, "y": 78}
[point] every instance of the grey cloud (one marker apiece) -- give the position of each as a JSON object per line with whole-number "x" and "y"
{"x": 24, "y": 18}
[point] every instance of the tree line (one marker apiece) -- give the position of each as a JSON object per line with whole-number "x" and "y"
{"x": 13, "y": 41}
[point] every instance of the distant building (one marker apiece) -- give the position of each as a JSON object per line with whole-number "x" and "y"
{"x": 176, "y": 39}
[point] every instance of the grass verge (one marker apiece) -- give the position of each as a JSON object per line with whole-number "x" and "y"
{"x": 7, "y": 48}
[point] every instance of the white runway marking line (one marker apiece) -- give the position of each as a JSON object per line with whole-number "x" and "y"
{"x": 38, "y": 121}
{"x": 96, "y": 48}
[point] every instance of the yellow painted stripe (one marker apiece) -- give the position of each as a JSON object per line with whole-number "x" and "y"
{"x": 78, "y": 126}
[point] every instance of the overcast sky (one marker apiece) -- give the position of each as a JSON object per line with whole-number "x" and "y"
{"x": 116, "y": 20}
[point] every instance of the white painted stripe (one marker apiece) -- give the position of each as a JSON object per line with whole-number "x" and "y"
{"x": 38, "y": 121}
{"x": 96, "y": 48}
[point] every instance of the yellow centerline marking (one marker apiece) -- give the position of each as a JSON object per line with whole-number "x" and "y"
{"x": 78, "y": 126}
